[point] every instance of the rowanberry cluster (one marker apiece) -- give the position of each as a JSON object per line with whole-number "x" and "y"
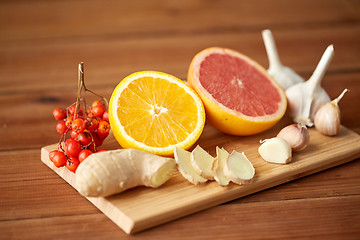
{"x": 81, "y": 133}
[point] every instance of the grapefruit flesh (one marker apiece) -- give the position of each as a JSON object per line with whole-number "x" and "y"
{"x": 240, "y": 98}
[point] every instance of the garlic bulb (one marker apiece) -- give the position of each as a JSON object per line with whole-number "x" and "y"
{"x": 306, "y": 98}
{"x": 284, "y": 75}
{"x": 296, "y": 135}
{"x": 327, "y": 118}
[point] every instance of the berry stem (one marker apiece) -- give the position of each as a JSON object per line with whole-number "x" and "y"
{"x": 62, "y": 139}
{"x": 82, "y": 86}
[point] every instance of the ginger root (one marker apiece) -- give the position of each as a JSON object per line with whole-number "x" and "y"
{"x": 110, "y": 172}
{"x": 224, "y": 168}
{"x": 238, "y": 168}
{"x": 183, "y": 160}
{"x": 202, "y": 162}
{"x": 218, "y": 166}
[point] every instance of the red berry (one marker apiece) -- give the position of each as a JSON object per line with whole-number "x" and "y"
{"x": 103, "y": 128}
{"x": 59, "y": 113}
{"x": 59, "y": 159}
{"x": 106, "y": 116}
{"x": 69, "y": 121}
{"x": 61, "y": 127}
{"x": 74, "y": 134}
{"x": 92, "y": 147}
{"x": 52, "y": 154}
{"x": 97, "y": 141}
{"x": 102, "y": 136}
{"x": 91, "y": 124}
{"x": 78, "y": 125}
{"x": 68, "y": 141}
{"x": 96, "y": 102}
{"x": 98, "y": 111}
{"x": 84, "y": 154}
{"x": 80, "y": 112}
{"x": 72, "y": 147}
{"x": 84, "y": 138}
{"x": 72, "y": 163}
{"x": 71, "y": 109}
{"x": 101, "y": 150}
{"x": 98, "y": 108}
{"x": 89, "y": 114}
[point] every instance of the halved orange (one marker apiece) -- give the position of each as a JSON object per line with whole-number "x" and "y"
{"x": 154, "y": 111}
{"x": 240, "y": 97}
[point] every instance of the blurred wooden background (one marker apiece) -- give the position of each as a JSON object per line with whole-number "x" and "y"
{"x": 41, "y": 43}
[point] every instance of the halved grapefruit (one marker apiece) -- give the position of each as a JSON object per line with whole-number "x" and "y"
{"x": 239, "y": 96}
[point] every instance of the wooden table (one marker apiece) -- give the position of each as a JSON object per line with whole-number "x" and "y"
{"x": 41, "y": 43}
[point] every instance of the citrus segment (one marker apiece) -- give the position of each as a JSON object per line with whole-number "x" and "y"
{"x": 240, "y": 98}
{"x": 154, "y": 112}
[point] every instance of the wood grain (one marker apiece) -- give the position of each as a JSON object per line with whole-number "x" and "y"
{"x": 108, "y": 61}
{"x": 279, "y": 220}
{"x": 178, "y": 197}
{"x": 40, "y": 20}
{"x": 41, "y": 44}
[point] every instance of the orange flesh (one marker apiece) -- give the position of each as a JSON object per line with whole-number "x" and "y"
{"x": 238, "y": 85}
{"x": 157, "y": 112}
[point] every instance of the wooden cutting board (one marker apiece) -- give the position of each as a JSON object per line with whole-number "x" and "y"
{"x": 141, "y": 208}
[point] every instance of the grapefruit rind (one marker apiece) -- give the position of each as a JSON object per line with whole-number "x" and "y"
{"x": 223, "y": 118}
{"x": 127, "y": 141}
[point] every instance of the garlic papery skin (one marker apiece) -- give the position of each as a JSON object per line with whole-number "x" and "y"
{"x": 296, "y": 135}
{"x": 284, "y": 75}
{"x": 327, "y": 118}
{"x": 305, "y": 99}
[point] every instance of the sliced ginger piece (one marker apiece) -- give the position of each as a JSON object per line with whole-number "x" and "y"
{"x": 202, "y": 162}
{"x": 238, "y": 168}
{"x": 218, "y": 167}
{"x": 275, "y": 150}
{"x": 182, "y": 158}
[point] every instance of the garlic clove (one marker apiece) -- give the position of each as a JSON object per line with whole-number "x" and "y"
{"x": 304, "y": 99}
{"x": 321, "y": 99}
{"x": 327, "y": 118}
{"x": 284, "y": 75}
{"x": 275, "y": 150}
{"x": 296, "y": 135}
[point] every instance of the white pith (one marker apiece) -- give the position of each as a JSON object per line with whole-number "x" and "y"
{"x": 156, "y": 110}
